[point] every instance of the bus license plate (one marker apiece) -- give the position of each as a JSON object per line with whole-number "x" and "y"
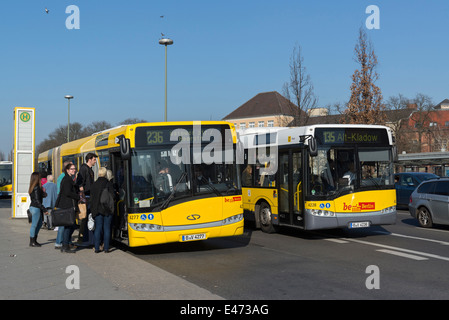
{"x": 193, "y": 237}
{"x": 364, "y": 224}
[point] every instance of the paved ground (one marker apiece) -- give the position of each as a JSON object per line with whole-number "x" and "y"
{"x": 40, "y": 273}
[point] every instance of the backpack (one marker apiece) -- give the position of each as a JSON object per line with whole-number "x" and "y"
{"x": 106, "y": 201}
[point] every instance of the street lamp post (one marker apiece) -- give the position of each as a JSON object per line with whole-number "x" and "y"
{"x": 166, "y": 42}
{"x": 68, "y": 97}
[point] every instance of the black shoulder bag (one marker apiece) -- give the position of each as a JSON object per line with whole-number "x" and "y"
{"x": 63, "y": 217}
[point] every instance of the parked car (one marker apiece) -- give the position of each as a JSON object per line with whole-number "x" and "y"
{"x": 429, "y": 203}
{"x": 406, "y": 183}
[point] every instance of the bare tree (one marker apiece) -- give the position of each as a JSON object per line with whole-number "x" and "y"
{"x": 132, "y": 121}
{"x": 398, "y": 102}
{"x": 299, "y": 90}
{"x": 420, "y": 128}
{"x": 47, "y": 144}
{"x": 59, "y": 136}
{"x": 365, "y": 104}
{"x": 396, "y": 106}
{"x": 96, "y": 126}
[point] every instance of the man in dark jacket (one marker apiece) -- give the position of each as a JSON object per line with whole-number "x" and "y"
{"x": 85, "y": 177}
{"x": 84, "y": 181}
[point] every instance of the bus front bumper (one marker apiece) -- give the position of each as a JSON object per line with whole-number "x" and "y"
{"x": 349, "y": 220}
{"x": 139, "y": 238}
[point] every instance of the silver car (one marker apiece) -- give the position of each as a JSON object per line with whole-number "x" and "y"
{"x": 429, "y": 203}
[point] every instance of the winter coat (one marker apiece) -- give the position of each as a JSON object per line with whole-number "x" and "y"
{"x": 36, "y": 198}
{"x": 68, "y": 195}
{"x": 85, "y": 179}
{"x": 95, "y": 194}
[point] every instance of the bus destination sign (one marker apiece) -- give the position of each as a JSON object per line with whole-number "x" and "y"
{"x": 339, "y": 136}
{"x": 160, "y": 135}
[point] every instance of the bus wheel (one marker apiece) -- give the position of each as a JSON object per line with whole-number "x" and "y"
{"x": 424, "y": 218}
{"x": 265, "y": 218}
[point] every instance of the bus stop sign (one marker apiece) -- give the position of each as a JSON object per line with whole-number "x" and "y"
{"x": 23, "y": 163}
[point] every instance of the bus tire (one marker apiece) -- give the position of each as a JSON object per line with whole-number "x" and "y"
{"x": 265, "y": 218}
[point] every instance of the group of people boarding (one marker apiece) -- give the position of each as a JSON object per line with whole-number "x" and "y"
{"x": 73, "y": 189}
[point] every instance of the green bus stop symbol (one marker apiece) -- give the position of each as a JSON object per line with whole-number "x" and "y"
{"x": 25, "y": 116}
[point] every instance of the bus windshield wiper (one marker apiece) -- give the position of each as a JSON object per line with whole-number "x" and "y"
{"x": 374, "y": 182}
{"x": 342, "y": 190}
{"x": 210, "y": 185}
{"x": 164, "y": 205}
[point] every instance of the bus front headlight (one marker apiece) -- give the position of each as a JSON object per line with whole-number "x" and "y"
{"x": 146, "y": 227}
{"x": 233, "y": 219}
{"x": 322, "y": 213}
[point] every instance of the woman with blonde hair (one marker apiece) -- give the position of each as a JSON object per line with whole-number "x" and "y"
{"x": 36, "y": 207}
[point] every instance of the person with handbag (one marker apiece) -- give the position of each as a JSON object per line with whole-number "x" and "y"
{"x": 102, "y": 207}
{"x": 68, "y": 198}
{"x": 36, "y": 207}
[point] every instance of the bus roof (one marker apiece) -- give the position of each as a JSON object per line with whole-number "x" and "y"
{"x": 106, "y": 138}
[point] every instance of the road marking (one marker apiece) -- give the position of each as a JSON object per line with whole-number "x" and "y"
{"x": 402, "y": 254}
{"x": 400, "y": 249}
{"x": 433, "y": 229}
{"x": 444, "y": 243}
{"x": 336, "y": 240}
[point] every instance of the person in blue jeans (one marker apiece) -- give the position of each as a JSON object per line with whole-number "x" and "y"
{"x": 100, "y": 212}
{"x": 102, "y": 232}
{"x": 36, "y": 207}
{"x": 50, "y": 200}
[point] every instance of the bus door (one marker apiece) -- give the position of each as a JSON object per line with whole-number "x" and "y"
{"x": 291, "y": 201}
{"x": 120, "y": 222}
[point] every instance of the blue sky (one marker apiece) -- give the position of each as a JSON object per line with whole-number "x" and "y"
{"x": 224, "y": 53}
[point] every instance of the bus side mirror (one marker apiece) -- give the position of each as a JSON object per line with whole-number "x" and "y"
{"x": 125, "y": 150}
{"x": 313, "y": 147}
{"x": 395, "y": 153}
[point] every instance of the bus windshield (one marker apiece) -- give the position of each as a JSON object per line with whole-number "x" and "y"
{"x": 336, "y": 171}
{"x": 156, "y": 180}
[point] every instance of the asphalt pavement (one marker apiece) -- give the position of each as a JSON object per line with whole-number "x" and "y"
{"x": 45, "y": 273}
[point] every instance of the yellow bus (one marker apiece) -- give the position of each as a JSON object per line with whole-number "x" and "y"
{"x": 176, "y": 181}
{"x": 5, "y": 178}
{"x": 319, "y": 176}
